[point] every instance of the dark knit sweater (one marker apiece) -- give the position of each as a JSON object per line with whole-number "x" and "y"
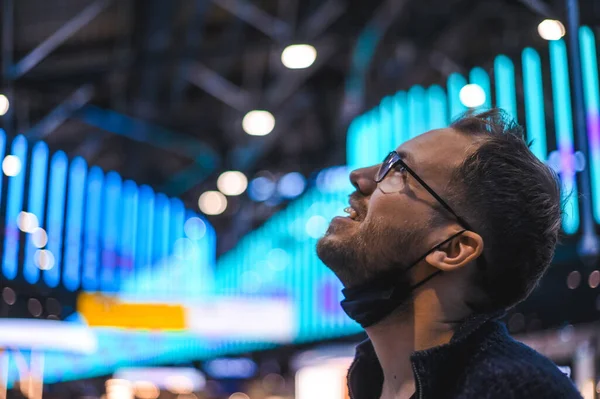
{"x": 481, "y": 361}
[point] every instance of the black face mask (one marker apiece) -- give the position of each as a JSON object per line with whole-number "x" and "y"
{"x": 372, "y": 301}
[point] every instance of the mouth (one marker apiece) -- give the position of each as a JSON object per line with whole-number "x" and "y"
{"x": 352, "y": 214}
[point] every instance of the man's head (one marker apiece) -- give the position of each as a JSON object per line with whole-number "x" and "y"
{"x": 482, "y": 168}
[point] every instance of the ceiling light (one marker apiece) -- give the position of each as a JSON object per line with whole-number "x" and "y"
{"x": 258, "y": 123}
{"x": 551, "y": 29}
{"x": 4, "y": 104}
{"x": 212, "y": 203}
{"x": 232, "y": 183}
{"x": 472, "y": 96}
{"x": 11, "y": 166}
{"x": 298, "y": 56}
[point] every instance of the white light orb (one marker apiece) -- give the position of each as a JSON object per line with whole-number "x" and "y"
{"x": 212, "y": 203}
{"x": 39, "y": 237}
{"x": 4, "y": 104}
{"x": 194, "y": 228}
{"x": 298, "y": 56}
{"x": 11, "y": 166}
{"x": 232, "y": 183}
{"x": 472, "y": 95}
{"x": 551, "y": 29}
{"x": 44, "y": 259}
{"x": 316, "y": 226}
{"x": 258, "y": 123}
{"x": 27, "y": 222}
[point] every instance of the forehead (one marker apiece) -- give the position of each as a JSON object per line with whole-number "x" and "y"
{"x": 437, "y": 151}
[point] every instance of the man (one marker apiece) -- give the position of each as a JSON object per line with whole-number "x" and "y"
{"x": 453, "y": 228}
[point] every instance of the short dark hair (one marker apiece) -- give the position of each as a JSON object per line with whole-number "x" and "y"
{"x": 513, "y": 201}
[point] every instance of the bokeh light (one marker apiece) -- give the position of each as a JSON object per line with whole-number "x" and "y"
{"x": 551, "y": 29}
{"x": 316, "y": 226}
{"x": 298, "y": 56}
{"x": 239, "y": 395}
{"x": 573, "y": 279}
{"x": 39, "y": 237}
{"x": 44, "y": 259}
{"x": 291, "y": 185}
{"x": 594, "y": 279}
{"x": 185, "y": 249}
{"x": 258, "y": 123}
{"x": 472, "y": 96}
{"x": 261, "y": 189}
{"x": 35, "y": 307}
{"x": 27, "y": 222}
{"x": 212, "y": 203}
{"x": 4, "y": 104}
{"x": 232, "y": 183}
{"x": 146, "y": 390}
{"x": 194, "y": 228}
{"x": 278, "y": 259}
{"x": 9, "y": 296}
{"x": 11, "y": 165}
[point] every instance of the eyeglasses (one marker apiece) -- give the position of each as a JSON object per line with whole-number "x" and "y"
{"x": 391, "y": 178}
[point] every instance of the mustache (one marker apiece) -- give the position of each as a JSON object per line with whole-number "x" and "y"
{"x": 358, "y": 203}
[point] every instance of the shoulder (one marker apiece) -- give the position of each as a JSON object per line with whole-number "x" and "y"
{"x": 506, "y": 365}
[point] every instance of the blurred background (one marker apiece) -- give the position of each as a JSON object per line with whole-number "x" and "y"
{"x": 167, "y": 167}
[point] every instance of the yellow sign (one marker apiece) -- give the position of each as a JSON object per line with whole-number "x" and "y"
{"x": 105, "y": 311}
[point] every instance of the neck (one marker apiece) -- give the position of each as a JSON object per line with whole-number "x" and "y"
{"x": 412, "y": 328}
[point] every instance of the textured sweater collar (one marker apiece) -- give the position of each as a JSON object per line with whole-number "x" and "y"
{"x": 365, "y": 376}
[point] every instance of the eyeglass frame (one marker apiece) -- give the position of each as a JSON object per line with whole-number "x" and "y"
{"x": 397, "y": 159}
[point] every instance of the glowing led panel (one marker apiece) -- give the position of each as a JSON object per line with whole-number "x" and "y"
{"x": 212, "y": 203}
{"x": 551, "y": 29}
{"x": 4, "y": 104}
{"x": 11, "y": 166}
{"x": 258, "y": 123}
{"x": 232, "y": 183}
{"x": 298, "y": 56}
{"x": 472, "y": 95}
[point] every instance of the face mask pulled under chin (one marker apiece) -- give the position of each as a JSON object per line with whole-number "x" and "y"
{"x": 371, "y": 302}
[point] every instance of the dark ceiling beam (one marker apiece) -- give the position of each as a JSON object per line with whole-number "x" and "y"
{"x": 192, "y": 45}
{"x": 320, "y": 20}
{"x": 540, "y": 7}
{"x": 271, "y": 26}
{"x": 364, "y": 51}
{"x": 219, "y": 87}
{"x": 61, "y": 113}
{"x": 36, "y": 55}
{"x": 156, "y": 39}
{"x": 7, "y": 62}
{"x": 206, "y": 158}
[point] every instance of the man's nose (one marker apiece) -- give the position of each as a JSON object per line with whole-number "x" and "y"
{"x": 364, "y": 180}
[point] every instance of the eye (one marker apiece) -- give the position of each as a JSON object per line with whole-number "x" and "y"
{"x": 400, "y": 169}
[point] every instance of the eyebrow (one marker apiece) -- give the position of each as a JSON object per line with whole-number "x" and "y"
{"x": 407, "y": 157}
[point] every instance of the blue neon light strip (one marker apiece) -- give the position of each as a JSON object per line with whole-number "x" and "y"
{"x": 36, "y": 205}
{"x": 75, "y": 203}
{"x": 400, "y": 118}
{"x": 480, "y": 77}
{"x": 177, "y": 213}
{"x": 16, "y": 185}
{"x": 2, "y": 151}
{"x": 534, "y": 103}
{"x": 356, "y": 158}
{"x": 91, "y": 251}
{"x": 386, "y": 114}
{"x": 144, "y": 237}
{"x": 506, "y": 96}
{"x": 56, "y": 214}
{"x": 438, "y": 108}
{"x": 417, "y": 111}
{"x": 455, "y": 83}
{"x": 589, "y": 64}
{"x": 564, "y": 133}
{"x": 110, "y": 231}
{"x": 160, "y": 241}
{"x": 127, "y": 241}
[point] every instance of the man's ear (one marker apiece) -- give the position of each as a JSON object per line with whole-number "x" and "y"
{"x": 458, "y": 252}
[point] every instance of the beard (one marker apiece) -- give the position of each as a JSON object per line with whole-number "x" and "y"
{"x": 370, "y": 249}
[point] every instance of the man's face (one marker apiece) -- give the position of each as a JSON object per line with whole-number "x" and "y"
{"x": 392, "y": 230}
